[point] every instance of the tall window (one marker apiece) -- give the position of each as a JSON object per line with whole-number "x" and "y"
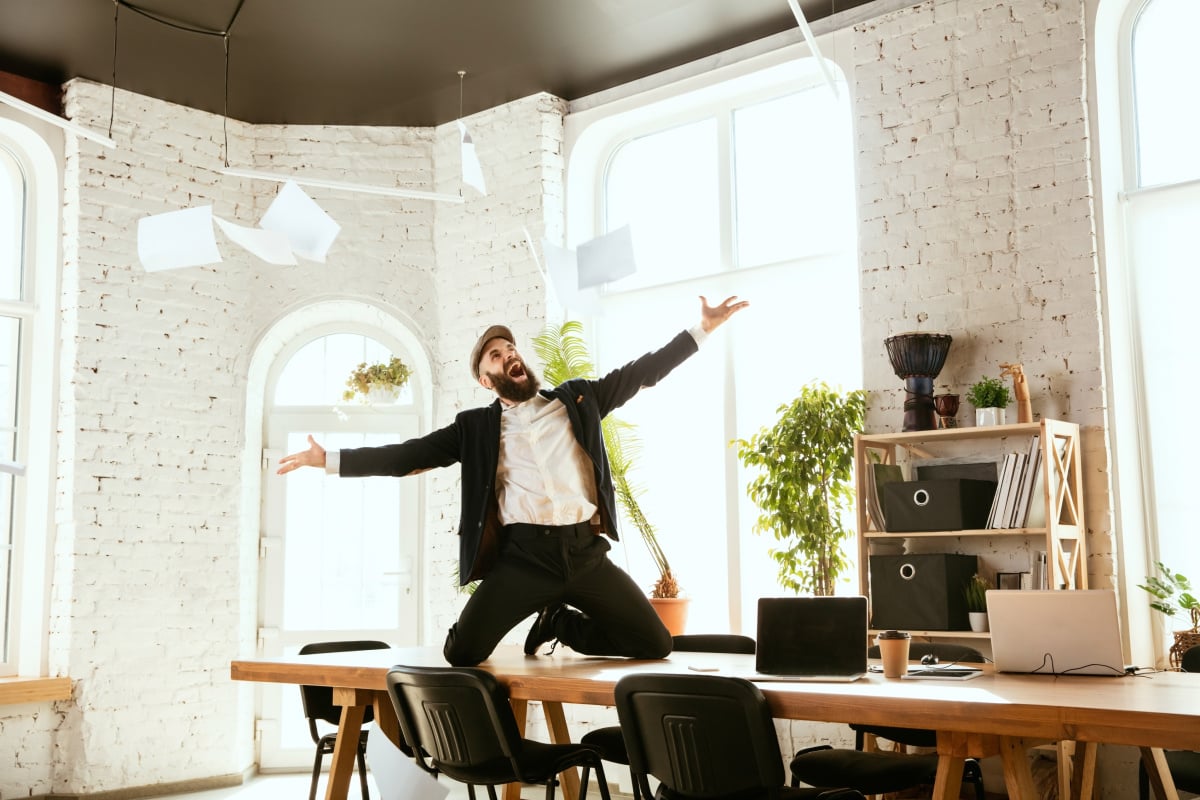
{"x": 1163, "y": 232}
{"x": 750, "y": 191}
{"x": 28, "y": 240}
{"x": 1146, "y": 65}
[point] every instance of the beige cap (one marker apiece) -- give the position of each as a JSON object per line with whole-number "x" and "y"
{"x": 493, "y": 332}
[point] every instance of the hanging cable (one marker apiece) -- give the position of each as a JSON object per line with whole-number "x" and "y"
{"x": 112, "y": 98}
{"x": 462, "y": 73}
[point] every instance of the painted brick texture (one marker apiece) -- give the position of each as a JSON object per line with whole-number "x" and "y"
{"x": 975, "y": 198}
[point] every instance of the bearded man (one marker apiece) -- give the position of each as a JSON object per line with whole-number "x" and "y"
{"x": 538, "y": 505}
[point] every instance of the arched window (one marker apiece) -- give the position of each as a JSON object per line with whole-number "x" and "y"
{"x": 28, "y": 286}
{"x": 1146, "y": 69}
{"x": 745, "y": 187}
{"x": 338, "y": 558}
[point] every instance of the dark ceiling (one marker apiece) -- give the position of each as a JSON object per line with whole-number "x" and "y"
{"x": 375, "y": 62}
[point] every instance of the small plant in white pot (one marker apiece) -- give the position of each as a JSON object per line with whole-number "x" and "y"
{"x": 976, "y": 596}
{"x": 990, "y": 397}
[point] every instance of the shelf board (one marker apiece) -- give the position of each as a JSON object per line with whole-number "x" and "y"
{"x": 955, "y": 534}
{"x": 952, "y": 434}
{"x": 941, "y": 634}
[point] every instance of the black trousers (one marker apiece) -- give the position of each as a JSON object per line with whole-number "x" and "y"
{"x": 541, "y": 565}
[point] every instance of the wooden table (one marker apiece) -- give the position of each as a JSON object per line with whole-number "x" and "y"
{"x": 996, "y": 714}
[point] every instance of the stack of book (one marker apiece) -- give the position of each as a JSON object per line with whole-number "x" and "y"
{"x": 1019, "y": 476}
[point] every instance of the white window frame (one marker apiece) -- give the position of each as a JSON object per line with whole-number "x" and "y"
{"x": 29, "y": 594}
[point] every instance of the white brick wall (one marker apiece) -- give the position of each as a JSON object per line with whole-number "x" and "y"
{"x": 975, "y": 206}
{"x": 976, "y": 211}
{"x": 149, "y": 596}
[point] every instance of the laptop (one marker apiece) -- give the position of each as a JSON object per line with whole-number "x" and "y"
{"x": 1056, "y": 632}
{"x": 811, "y": 639}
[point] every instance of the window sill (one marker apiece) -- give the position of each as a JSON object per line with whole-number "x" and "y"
{"x": 33, "y": 690}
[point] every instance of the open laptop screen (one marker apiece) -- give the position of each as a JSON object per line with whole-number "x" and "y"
{"x": 806, "y": 636}
{"x": 1056, "y": 632}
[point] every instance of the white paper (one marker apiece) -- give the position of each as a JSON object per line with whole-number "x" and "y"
{"x": 270, "y": 246}
{"x": 12, "y": 468}
{"x": 398, "y": 776}
{"x": 564, "y": 278}
{"x": 606, "y": 258}
{"x": 309, "y": 230}
{"x": 177, "y": 239}
{"x": 533, "y": 252}
{"x": 472, "y": 171}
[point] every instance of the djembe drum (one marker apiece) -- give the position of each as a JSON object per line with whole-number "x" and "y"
{"x": 918, "y": 358}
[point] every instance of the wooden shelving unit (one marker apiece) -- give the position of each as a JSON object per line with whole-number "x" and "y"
{"x": 1061, "y": 489}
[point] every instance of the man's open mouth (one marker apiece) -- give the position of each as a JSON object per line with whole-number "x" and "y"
{"x": 517, "y": 370}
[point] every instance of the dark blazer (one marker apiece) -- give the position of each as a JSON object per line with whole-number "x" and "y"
{"x": 473, "y": 440}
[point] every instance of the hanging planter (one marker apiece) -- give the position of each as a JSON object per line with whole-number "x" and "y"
{"x": 378, "y": 383}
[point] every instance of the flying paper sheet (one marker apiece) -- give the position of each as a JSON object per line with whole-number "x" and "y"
{"x": 564, "y": 277}
{"x": 472, "y": 171}
{"x": 397, "y": 776}
{"x": 270, "y": 246}
{"x": 606, "y": 258}
{"x": 309, "y": 230}
{"x": 177, "y": 239}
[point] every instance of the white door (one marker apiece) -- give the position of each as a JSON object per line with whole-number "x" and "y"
{"x": 337, "y": 556}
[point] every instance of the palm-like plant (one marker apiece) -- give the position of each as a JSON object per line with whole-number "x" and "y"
{"x": 564, "y": 355}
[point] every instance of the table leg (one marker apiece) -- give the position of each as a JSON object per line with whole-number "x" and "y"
{"x": 1083, "y": 781}
{"x": 1162, "y": 785}
{"x": 345, "y": 749}
{"x": 385, "y": 718}
{"x": 1018, "y": 777}
{"x": 948, "y": 782}
{"x": 521, "y": 711}
{"x": 556, "y": 721}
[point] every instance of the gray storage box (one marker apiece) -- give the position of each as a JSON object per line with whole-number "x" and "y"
{"x": 951, "y": 504}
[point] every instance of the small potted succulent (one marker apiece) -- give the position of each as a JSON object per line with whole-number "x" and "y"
{"x": 976, "y": 595}
{"x": 990, "y": 397}
{"x": 379, "y": 382}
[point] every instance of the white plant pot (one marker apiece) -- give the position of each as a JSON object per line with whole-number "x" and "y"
{"x": 989, "y": 416}
{"x": 382, "y": 395}
{"x": 979, "y": 621}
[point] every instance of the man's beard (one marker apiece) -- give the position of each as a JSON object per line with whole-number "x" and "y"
{"x": 512, "y": 390}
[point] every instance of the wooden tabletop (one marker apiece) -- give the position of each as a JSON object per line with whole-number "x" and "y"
{"x": 1155, "y": 710}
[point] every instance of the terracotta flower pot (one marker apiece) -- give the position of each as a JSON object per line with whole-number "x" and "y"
{"x": 673, "y": 612}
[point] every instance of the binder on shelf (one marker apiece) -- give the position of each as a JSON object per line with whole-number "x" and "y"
{"x": 879, "y": 476}
{"x": 1033, "y": 461}
{"x": 1000, "y": 502}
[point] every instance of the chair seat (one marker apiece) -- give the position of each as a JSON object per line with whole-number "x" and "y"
{"x": 609, "y": 742}
{"x": 871, "y": 772}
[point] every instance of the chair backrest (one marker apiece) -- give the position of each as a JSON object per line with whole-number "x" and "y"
{"x": 943, "y": 652}
{"x": 1191, "y": 660}
{"x": 701, "y": 736}
{"x": 460, "y": 716}
{"x": 713, "y": 643}
{"x": 318, "y": 700}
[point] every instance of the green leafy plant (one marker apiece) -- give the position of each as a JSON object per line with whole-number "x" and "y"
{"x": 392, "y": 374}
{"x": 976, "y": 593}
{"x": 564, "y": 355}
{"x": 803, "y": 488}
{"x": 1172, "y": 594}
{"x": 989, "y": 393}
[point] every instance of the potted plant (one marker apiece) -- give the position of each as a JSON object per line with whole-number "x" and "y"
{"x": 990, "y": 397}
{"x": 804, "y": 489}
{"x": 564, "y": 355}
{"x": 976, "y": 596}
{"x": 1172, "y": 595}
{"x": 378, "y": 382}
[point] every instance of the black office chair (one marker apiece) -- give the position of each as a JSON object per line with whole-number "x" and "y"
{"x": 608, "y": 740}
{"x": 872, "y": 771}
{"x": 458, "y": 722}
{"x": 1183, "y": 764}
{"x": 705, "y": 737}
{"x": 318, "y": 706}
